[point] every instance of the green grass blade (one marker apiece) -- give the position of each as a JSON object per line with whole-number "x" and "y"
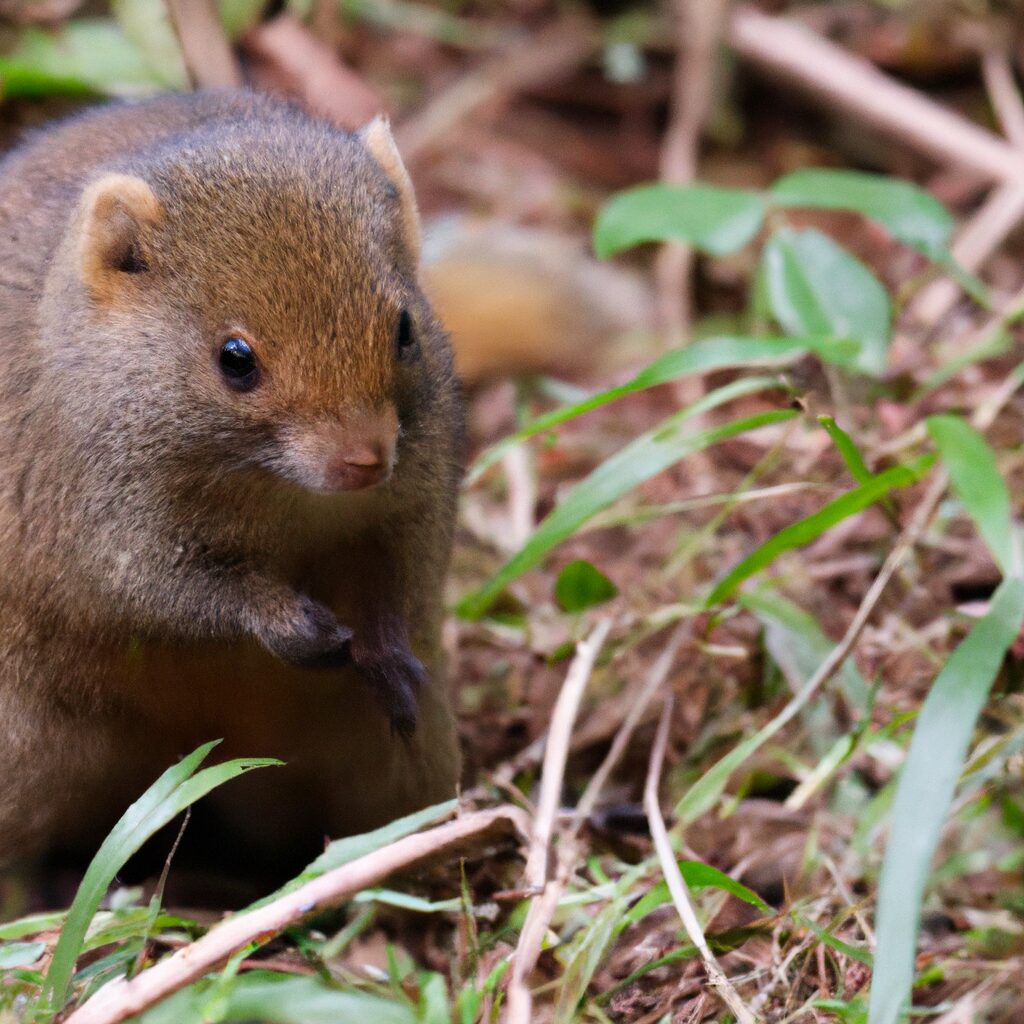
{"x": 176, "y": 789}
{"x": 978, "y": 484}
{"x": 926, "y": 789}
{"x": 701, "y": 357}
{"x": 644, "y": 457}
{"x": 847, "y": 449}
{"x": 806, "y": 530}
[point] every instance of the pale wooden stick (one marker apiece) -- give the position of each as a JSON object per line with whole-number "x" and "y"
{"x": 208, "y": 55}
{"x": 1003, "y": 208}
{"x": 124, "y": 998}
{"x": 849, "y": 83}
{"x": 997, "y": 72}
{"x": 550, "y": 886}
{"x": 557, "y": 753}
{"x": 674, "y": 877}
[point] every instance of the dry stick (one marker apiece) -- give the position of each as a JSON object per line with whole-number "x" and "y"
{"x": 699, "y": 25}
{"x": 557, "y": 753}
{"x": 674, "y": 877}
{"x": 542, "y": 910}
{"x": 553, "y": 53}
{"x": 208, "y": 55}
{"x": 1003, "y": 208}
{"x": 124, "y": 998}
{"x": 845, "y": 82}
{"x": 520, "y": 1001}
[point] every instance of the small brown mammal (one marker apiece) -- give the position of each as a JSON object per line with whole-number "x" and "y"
{"x": 229, "y": 456}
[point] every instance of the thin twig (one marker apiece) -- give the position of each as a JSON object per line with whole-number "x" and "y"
{"x": 557, "y": 753}
{"x": 674, "y": 877}
{"x": 550, "y": 885}
{"x": 123, "y": 998}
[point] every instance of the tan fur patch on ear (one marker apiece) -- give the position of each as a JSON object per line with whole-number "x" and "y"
{"x": 115, "y": 212}
{"x": 380, "y": 144}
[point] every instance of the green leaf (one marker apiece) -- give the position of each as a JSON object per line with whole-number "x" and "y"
{"x": 925, "y": 792}
{"x": 847, "y": 449}
{"x": 715, "y": 220}
{"x": 179, "y": 787}
{"x": 87, "y": 55}
{"x": 581, "y": 585}
{"x": 906, "y": 211}
{"x": 813, "y": 526}
{"x": 698, "y": 875}
{"x": 701, "y": 357}
{"x": 978, "y": 484}
{"x": 815, "y": 287}
{"x": 20, "y": 954}
{"x": 644, "y": 457}
{"x": 279, "y": 999}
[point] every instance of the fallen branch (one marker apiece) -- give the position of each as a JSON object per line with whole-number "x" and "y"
{"x": 849, "y": 83}
{"x": 124, "y": 998}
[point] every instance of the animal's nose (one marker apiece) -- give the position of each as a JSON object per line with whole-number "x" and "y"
{"x": 359, "y": 465}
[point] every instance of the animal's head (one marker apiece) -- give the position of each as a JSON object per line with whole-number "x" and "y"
{"x": 258, "y": 288}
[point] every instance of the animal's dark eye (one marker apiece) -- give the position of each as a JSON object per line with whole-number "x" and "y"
{"x": 405, "y": 336}
{"x": 238, "y": 364}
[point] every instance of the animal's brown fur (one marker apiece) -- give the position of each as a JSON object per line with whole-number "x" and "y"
{"x": 163, "y": 547}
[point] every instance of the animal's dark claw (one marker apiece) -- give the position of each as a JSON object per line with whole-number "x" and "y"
{"x": 394, "y": 677}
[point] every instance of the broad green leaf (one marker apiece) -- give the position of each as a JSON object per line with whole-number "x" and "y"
{"x": 816, "y": 287}
{"x": 147, "y": 25}
{"x": 278, "y": 999}
{"x": 701, "y": 357}
{"x": 644, "y": 457}
{"x": 20, "y": 954}
{"x": 978, "y": 484}
{"x": 82, "y": 56}
{"x": 925, "y": 791}
{"x": 715, "y": 220}
{"x": 813, "y": 526}
{"x": 581, "y": 585}
{"x": 907, "y": 212}
{"x": 179, "y": 787}
{"x": 698, "y": 875}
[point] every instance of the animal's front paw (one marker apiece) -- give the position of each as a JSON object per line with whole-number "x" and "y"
{"x": 308, "y": 635}
{"x": 394, "y": 676}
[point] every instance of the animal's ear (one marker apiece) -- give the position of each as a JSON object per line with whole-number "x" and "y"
{"x": 115, "y": 214}
{"x": 380, "y": 144}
